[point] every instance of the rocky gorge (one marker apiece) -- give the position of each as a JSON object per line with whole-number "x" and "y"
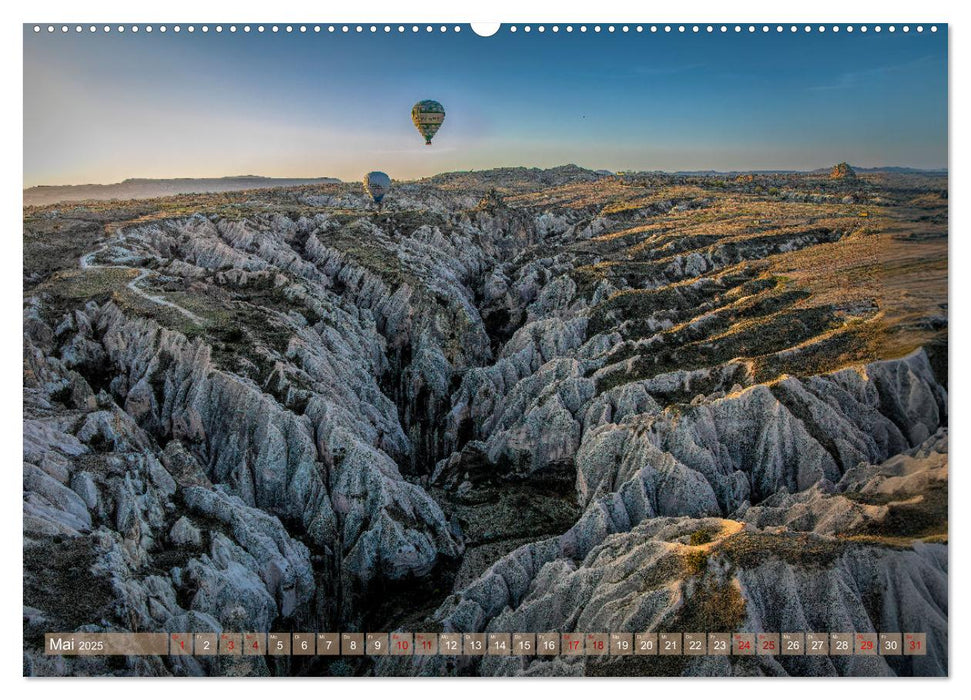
{"x": 512, "y": 400}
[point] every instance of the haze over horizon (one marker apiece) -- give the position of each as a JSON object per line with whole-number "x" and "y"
{"x": 497, "y": 167}
{"x": 102, "y": 108}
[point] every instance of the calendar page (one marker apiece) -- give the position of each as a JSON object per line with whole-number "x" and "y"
{"x": 531, "y": 349}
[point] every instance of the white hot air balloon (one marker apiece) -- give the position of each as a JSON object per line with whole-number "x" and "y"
{"x": 377, "y": 184}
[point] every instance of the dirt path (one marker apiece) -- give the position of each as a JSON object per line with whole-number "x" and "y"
{"x": 143, "y": 273}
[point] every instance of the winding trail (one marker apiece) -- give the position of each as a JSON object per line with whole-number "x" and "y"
{"x": 143, "y": 273}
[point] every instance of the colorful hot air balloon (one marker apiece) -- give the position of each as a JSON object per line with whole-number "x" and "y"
{"x": 377, "y": 185}
{"x": 428, "y": 116}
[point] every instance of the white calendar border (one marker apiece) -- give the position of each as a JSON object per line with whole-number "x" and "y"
{"x": 602, "y": 11}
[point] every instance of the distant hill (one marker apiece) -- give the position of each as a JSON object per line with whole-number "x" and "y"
{"x": 888, "y": 169}
{"x": 818, "y": 171}
{"x": 516, "y": 178}
{"x": 145, "y": 188}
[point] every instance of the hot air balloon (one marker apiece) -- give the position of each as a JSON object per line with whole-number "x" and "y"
{"x": 377, "y": 185}
{"x": 428, "y": 116}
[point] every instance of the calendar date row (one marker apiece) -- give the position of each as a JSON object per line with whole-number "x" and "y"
{"x": 489, "y": 644}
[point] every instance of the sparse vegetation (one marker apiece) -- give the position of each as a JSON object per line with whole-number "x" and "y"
{"x": 702, "y": 536}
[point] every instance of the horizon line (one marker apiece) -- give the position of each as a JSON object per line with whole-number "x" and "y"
{"x": 713, "y": 171}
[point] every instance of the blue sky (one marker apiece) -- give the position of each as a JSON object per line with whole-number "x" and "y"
{"x": 104, "y": 107}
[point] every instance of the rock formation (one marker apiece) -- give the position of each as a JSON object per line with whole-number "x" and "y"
{"x": 842, "y": 171}
{"x": 517, "y": 400}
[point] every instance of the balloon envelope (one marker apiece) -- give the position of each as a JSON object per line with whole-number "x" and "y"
{"x": 428, "y": 116}
{"x": 377, "y": 185}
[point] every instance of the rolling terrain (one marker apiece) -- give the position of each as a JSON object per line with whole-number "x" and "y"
{"x": 149, "y": 188}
